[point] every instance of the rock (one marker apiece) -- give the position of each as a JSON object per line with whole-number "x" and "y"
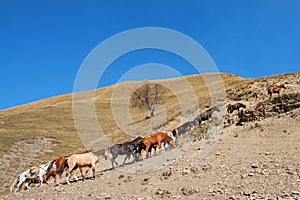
{"x": 194, "y": 169}
{"x": 295, "y": 192}
{"x": 254, "y": 166}
{"x": 185, "y": 171}
{"x": 244, "y": 175}
{"x": 206, "y": 167}
{"x": 168, "y": 173}
{"x": 145, "y": 181}
{"x": 232, "y": 198}
{"x": 187, "y": 191}
{"x": 107, "y": 197}
{"x": 159, "y": 191}
{"x": 250, "y": 174}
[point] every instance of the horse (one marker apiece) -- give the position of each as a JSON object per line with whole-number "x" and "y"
{"x": 53, "y": 169}
{"x": 237, "y": 106}
{"x": 184, "y": 128}
{"x": 208, "y": 113}
{"x": 154, "y": 139}
{"x": 166, "y": 144}
{"x": 128, "y": 148}
{"x": 87, "y": 159}
{"x": 275, "y": 90}
{"x": 32, "y": 175}
{"x": 197, "y": 121}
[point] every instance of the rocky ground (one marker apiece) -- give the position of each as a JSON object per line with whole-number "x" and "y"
{"x": 259, "y": 160}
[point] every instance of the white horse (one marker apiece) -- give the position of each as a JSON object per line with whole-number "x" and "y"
{"x": 34, "y": 174}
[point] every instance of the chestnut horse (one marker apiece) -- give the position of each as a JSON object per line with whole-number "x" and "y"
{"x": 152, "y": 140}
{"x": 237, "y": 106}
{"x": 127, "y": 148}
{"x": 275, "y": 90}
{"x": 88, "y": 159}
{"x": 53, "y": 169}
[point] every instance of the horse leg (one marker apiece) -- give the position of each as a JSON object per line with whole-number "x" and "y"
{"x": 113, "y": 160}
{"x": 17, "y": 188}
{"x": 147, "y": 150}
{"x": 126, "y": 157}
{"x": 55, "y": 178}
{"x": 82, "y": 174}
{"x": 159, "y": 147}
{"x": 88, "y": 169}
{"x": 69, "y": 172}
{"x": 93, "y": 165}
{"x": 40, "y": 179}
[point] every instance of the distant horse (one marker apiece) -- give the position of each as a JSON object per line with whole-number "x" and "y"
{"x": 184, "y": 128}
{"x": 275, "y": 90}
{"x": 237, "y": 106}
{"x": 127, "y": 148}
{"x": 87, "y": 159}
{"x": 53, "y": 169}
{"x": 32, "y": 175}
{"x": 154, "y": 139}
{"x": 208, "y": 113}
{"x": 197, "y": 121}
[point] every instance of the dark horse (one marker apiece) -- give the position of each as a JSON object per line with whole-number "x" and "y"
{"x": 127, "y": 148}
{"x": 208, "y": 113}
{"x": 275, "y": 90}
{"x": 184, "y": 128}
{"x": 237, "y": 106}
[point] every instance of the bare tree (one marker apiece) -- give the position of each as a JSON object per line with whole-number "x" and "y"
{"x": 147, "y": 96}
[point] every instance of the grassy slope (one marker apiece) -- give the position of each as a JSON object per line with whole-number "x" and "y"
{"x": 53, "y": 117}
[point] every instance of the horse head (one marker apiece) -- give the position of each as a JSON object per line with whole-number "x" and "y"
{"x": 282, "y": 86}
{"x": 215, "y": 108}
{"x": 243, "y": 105}
{"x": 106, "y": 154}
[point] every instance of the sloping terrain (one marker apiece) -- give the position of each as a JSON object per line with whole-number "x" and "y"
{"x": 241, "y": 159}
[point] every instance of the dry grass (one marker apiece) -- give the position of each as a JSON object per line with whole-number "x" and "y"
{"x": 53, "y": 117}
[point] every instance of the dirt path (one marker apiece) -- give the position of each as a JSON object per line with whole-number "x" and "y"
{"x": 257, "y": 161}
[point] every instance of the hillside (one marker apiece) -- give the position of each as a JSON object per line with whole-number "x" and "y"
{"x": 38, "y": 132}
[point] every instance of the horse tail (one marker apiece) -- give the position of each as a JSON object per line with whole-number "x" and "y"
{"x": 63, "y": 166}
{"x": 269, "y": 91}
{"x": 175, "y": 132}
{"x": 50, "y": 166}
{"x": 13, "y": 188}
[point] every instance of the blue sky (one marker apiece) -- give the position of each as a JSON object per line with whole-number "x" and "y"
{"x": 43, "y": 43}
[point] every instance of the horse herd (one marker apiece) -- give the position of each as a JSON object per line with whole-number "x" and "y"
{"x": 136, "y": 147}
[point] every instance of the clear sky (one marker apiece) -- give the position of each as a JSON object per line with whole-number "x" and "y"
{"x": 43, "y": 43}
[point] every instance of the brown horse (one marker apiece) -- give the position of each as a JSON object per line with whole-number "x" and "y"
{"x": 275, "y": 90}
{"x": 237, "y": 106}
{"x": 152, "y": 140}
{"x": 208, "y": 113}
{"x": 88, "y": 159}
{"x": 53, "y": 169}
